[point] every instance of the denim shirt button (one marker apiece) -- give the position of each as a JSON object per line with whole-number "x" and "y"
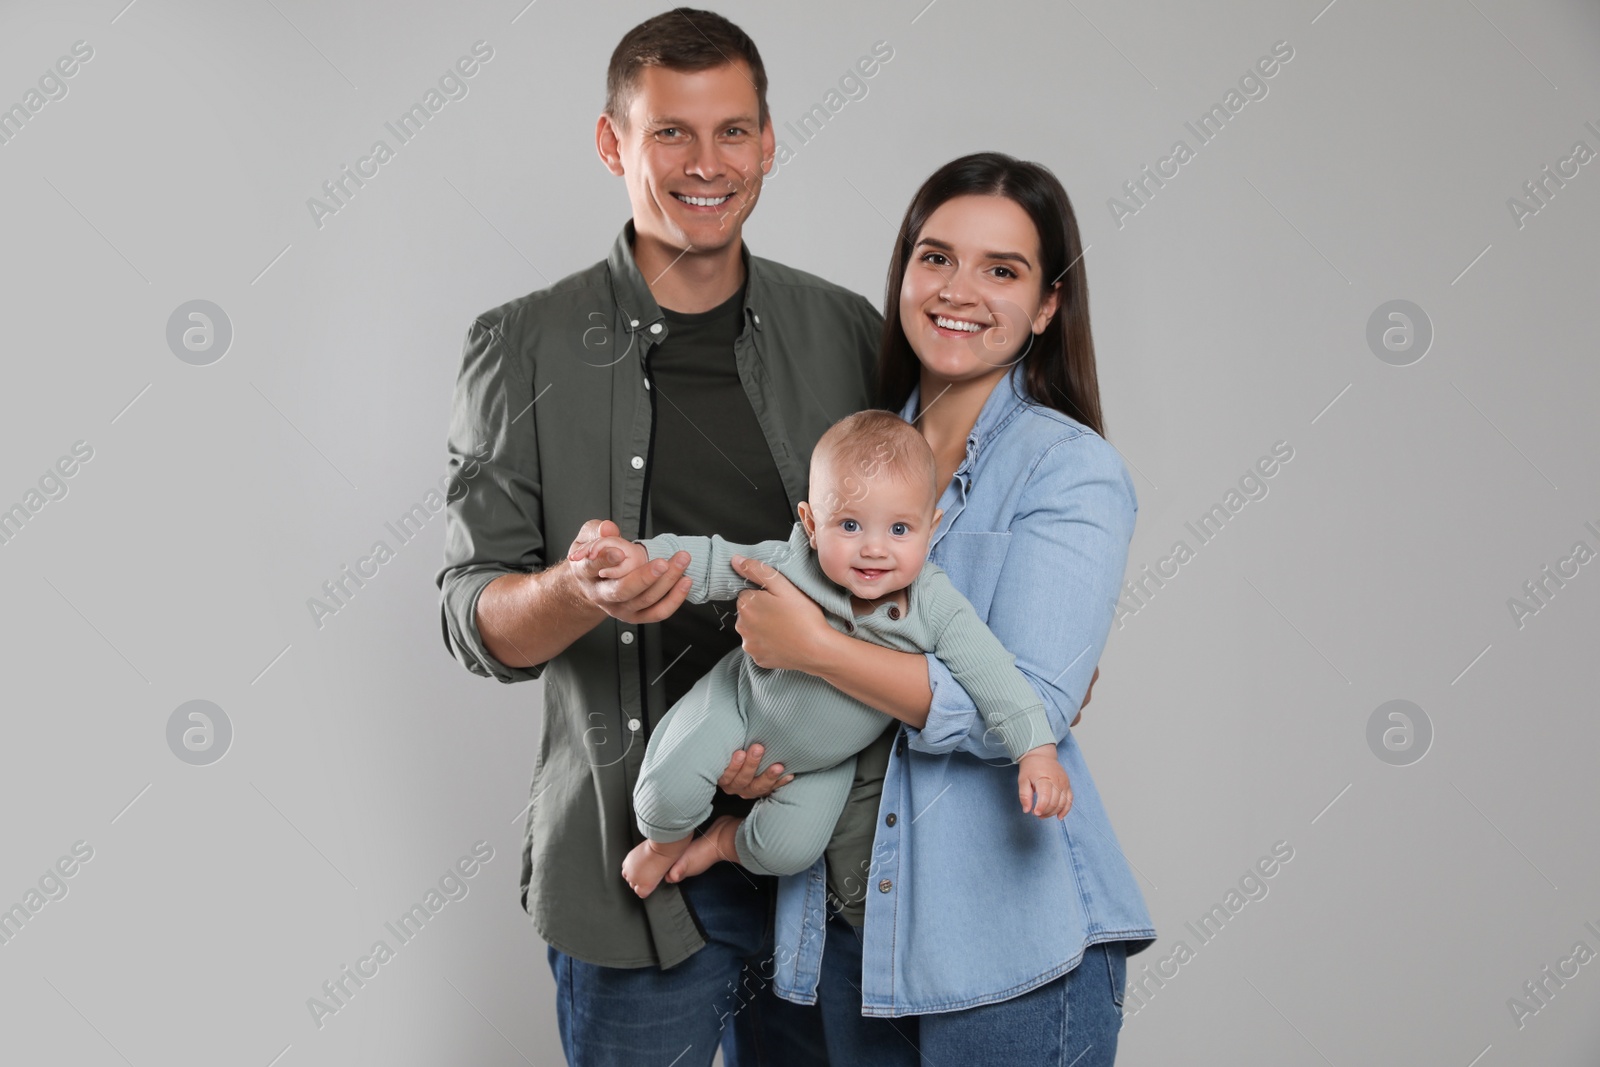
{"x": 888, "y": 820}
{"x": 885, "y": 885}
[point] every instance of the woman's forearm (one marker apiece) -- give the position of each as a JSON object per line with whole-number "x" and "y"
{"x": 896, "y": 683}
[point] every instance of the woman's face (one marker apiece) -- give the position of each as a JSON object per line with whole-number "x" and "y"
{"x": 972, "y": 290}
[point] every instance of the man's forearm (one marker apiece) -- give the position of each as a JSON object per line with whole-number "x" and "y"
{"x": 528, "y": 619}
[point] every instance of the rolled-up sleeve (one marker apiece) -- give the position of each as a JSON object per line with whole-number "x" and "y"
{"x": 1056, "y": 595}
{"x": 493, "y": 515}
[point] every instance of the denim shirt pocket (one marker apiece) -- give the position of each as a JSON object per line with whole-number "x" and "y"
{"x": 973, "y": 560}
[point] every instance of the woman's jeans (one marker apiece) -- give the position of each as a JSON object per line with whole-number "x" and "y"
{"x": 1072, "y": 1021}
{"x": 647, "y": 1017}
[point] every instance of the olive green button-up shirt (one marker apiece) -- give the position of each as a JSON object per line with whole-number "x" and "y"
{"x": 551, "y": 426}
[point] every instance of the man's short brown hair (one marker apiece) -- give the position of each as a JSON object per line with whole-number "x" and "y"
{"x": 687, "y": 40}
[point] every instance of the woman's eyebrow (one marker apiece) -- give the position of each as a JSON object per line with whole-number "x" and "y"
{"x": 1015, "y": 257}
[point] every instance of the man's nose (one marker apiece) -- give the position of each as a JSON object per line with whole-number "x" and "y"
{"x": 705, "y": 162}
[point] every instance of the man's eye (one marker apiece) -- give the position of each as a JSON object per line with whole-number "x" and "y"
{"x": 899, "y": 529}
{"x": 850, "y": 525}
{"x": 669, "y": 131}
{"x": 1008, "y": 272}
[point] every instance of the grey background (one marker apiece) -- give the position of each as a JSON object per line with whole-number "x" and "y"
{"x": 1230, "y": 314}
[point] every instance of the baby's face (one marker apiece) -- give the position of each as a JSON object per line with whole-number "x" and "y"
{"x": 871, "y": 536}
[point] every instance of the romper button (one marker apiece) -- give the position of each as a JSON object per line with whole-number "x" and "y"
{"x": 849, "y": 627}
{"x": 885, "y": 885}
{"x": 637, "y": 462}
{"x": 888, "y": 820}
{"x": 894, "y": 611}
{"x": 627, "y": 637}
{"x": 655, "y": 327}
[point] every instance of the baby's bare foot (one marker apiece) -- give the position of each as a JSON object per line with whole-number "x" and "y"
{"x": 644, "y": 867}
{"x": 705, "y": 852}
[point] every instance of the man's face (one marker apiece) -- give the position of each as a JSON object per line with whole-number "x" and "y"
{"x": 693, "y": 155}
{"x": 871, "y": 534}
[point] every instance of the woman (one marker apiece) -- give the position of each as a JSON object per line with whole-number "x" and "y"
{"x": 989, "y": 937}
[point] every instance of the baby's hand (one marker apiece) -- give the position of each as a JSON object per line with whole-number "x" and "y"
{"x": 1039, "y": 771}
{"x": 618, "y": 555}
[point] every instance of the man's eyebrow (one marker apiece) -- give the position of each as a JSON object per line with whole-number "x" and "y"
{"x": 1015, "y": 257}
{"x": 669, "y": 120}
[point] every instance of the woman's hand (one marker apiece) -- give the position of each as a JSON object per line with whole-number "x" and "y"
{"x": 782, "y": 628}
{"x": 741, "y": 780}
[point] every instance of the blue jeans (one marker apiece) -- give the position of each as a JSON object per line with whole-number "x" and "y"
{"x": 648, "y": 1017}
{"x": 1072, "y": 1021}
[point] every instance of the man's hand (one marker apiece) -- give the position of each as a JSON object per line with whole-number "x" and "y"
{"x": 741, "y": 780}
{"x": 1086, "y": 692}
{"x": 642, "y": 594}
{"x": 1040, "y": 773}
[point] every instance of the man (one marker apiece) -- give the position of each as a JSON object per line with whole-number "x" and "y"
{"x": 677, "y": 386}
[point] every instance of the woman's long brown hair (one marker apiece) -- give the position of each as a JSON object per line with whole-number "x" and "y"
{"x": 1058, "y": 368}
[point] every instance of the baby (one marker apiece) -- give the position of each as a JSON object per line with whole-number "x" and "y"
{"x": 860, "y": 552}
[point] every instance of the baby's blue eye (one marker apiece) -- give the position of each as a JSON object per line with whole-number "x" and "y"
{"x": 899, "y": 529}
{"x": 850, "y": 525}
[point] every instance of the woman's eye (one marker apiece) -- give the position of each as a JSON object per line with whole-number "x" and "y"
{"x": 850, "y": 525}
{"x": 930, "y": 257}
{"x": 899, "y": 529}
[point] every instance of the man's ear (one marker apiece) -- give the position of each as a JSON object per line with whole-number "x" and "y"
{"x": 769, "y": 146}
{"x": 608, "y": 142}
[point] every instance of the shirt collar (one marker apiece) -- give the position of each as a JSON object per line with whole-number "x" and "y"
{"x": 1004, "y": 399}
{"x": 639, "y": 308}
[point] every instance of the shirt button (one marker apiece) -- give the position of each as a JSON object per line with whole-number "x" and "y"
{"x": 637, "y": 462}
{"x": 888, "y": 820}
{"x": 885, "y": 885}
{"x": 655, "y": 327}
{"x": 756, "y": 318}
{"x": 633, "y": 322}
{"x": 627, "y": 637}
{"x": 633, "y": 724}
{"x": 647, "y": 383}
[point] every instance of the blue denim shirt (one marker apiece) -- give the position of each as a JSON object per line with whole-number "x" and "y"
{"x": 970, "y": 900}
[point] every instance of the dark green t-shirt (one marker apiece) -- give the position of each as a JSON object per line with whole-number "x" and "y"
{"x": 711, "y": 472}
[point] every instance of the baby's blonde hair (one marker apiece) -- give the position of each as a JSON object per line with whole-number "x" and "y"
{"x": 864, "y": 446}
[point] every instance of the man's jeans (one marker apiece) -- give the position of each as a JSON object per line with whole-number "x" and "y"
{"x": 647, "y": 1017}
{"x": 1073, "y": 1020}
